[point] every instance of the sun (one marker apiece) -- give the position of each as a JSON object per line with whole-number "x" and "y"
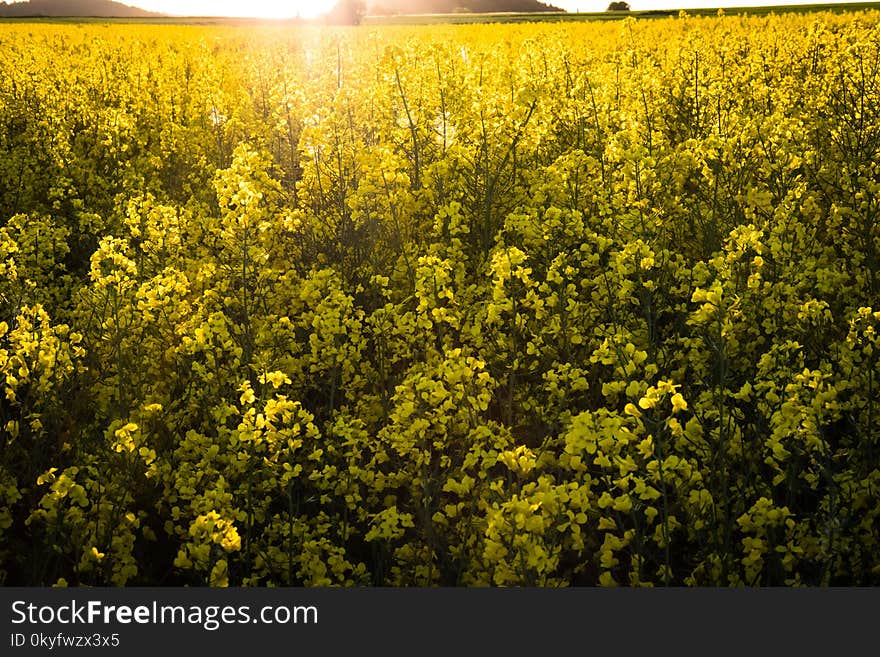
{"x": 238, "y": 8}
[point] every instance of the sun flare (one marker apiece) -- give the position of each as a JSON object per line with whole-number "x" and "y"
{"x": 235, "y": 8}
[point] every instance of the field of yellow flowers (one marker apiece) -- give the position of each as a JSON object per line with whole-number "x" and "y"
{"x": 544, "y": 305}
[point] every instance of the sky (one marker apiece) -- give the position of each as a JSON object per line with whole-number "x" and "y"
{"x": 312, "y": 8}
{"x": 244, "y": 8}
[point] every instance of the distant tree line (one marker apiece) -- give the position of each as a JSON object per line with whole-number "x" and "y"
{"x": 102, "y": 8}
{"x": 347, "y": 12}
{"x": 350, "y": 12}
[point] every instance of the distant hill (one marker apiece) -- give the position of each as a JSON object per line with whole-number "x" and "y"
{"x": 97, "y": 8}
{"x": 110, "y": 9}
{"x": 390, "y": 7}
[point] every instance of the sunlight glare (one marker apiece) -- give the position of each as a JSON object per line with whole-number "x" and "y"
{"x": 238, "y": 9}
